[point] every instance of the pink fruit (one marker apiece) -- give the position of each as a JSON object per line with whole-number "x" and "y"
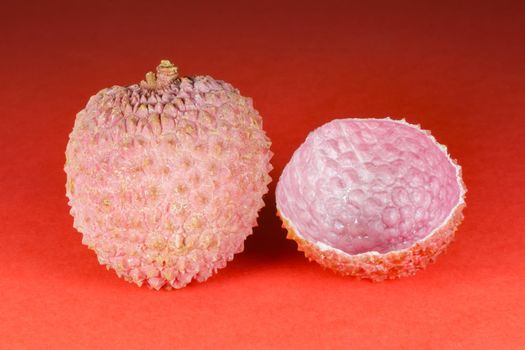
{"x": 372, "y": 198}
{"x": 165, "y": 178}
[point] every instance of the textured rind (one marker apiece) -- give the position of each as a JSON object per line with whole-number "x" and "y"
{"x": 165, "y": 181}
{"x": 378, "y": 267}
{"x": 374, "y": 265}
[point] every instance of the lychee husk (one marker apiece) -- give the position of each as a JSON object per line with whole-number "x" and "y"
{"x": 165, "y": 178}
{"x": 381, "y": 262}
{"x": 378, "y": 267}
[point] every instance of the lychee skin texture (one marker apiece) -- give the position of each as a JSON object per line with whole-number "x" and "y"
{"x": 165, "y": 178}
{"x": 372, "y": 198}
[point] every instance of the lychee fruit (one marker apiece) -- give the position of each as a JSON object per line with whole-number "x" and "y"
{"x": 372, "y": 198}
{"x": 165, "y": 178}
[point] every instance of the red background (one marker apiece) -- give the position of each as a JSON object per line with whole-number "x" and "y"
{"x": 458, "y": 69}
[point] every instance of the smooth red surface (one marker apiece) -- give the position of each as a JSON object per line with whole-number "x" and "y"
{"x": 458, "y": 69}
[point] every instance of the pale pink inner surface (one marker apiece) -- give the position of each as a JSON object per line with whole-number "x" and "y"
{"x": 368, "y": 185}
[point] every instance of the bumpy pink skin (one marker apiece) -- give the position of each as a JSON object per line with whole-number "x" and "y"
{"x": 165, "y": 181}
{"x": 375, "y": 198}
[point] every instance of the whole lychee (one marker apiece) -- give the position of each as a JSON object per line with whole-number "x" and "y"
{"x": 165, "y": 178}
{"x": 372, "y": 198}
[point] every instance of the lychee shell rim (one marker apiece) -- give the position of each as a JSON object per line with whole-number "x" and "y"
{"x": 395, "y": 263}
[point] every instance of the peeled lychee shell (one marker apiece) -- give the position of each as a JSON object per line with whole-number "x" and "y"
{"x": 165, "y": 178}
{"x": 372, "y": 198}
